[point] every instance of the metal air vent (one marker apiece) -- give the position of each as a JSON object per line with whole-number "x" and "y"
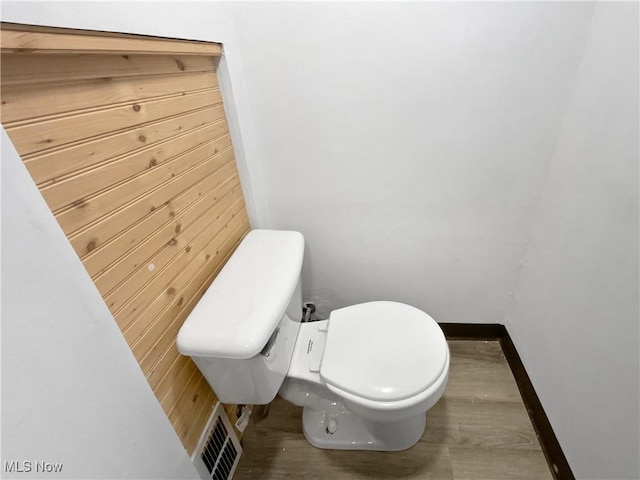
{"x": 218, "y": 451}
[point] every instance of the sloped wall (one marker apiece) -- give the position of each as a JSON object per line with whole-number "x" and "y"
{"x": 72, "y": 392}
{"x": 575, "y": 313}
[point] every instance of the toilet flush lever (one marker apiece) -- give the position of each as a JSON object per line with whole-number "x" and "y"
{"x": 266, "y": 350}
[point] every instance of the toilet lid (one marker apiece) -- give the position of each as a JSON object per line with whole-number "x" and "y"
{"x": 383, "y": 351}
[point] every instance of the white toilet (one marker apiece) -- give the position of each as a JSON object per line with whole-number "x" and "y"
{"x": 365, "y": 377}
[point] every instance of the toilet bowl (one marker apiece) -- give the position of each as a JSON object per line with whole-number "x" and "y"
{"x": 365, "y": 377}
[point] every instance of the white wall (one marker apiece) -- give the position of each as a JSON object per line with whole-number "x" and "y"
{"x": 575, "y": 316}
{"x": 409, "y": 142}
{"x": 72, "y": 392}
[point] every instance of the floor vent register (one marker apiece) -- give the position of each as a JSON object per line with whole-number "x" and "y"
{"x": 218, "y": 451}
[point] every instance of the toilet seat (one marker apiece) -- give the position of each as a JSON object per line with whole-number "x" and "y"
{"x": 383, "y": 353}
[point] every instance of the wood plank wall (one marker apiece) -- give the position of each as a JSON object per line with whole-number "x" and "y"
{"x": 132, "y": 154}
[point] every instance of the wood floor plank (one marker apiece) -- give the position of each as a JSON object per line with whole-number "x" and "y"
{"x": 281, "y": 452}
{"x": 474, "y": 423}
{"x": 480, "y": 371}
{"x": 472, "y": 463}
{"x": 479, "y": 430}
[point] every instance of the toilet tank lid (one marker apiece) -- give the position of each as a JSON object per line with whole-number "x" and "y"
{"x": 244, "y": 304}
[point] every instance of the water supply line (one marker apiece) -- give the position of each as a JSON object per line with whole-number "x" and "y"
{"x": 308, "y": 309}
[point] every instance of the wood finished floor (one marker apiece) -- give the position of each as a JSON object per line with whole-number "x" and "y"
{"x": 479, "y": 430}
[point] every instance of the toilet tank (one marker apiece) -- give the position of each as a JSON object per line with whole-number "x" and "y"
{"x": 242, "y": 331}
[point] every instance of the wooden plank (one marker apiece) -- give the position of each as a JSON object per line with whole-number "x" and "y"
{"x": 194, "y": 383}
{"x": 185, "y": 398}
{"x": 124, "y": 300}
{"x": 107, "y": 279}
{"x": 29, "y": 39}
{"x": 111, "y": 224}
{"x": 133, "y": 154}
{"x": 230, "y": 410}
{"x": 136, "y": 291}
{"x": 53, "y": 132}
{"x": 184, "y": 412}
{"x": 187, "y": 418}
{"x": 23, "y": 69}
{"x": 119, "y": 246}
{"x": 54, "y": 165}
{"x": 139, "y": 244}
{"x": 175, "y": 383}
{"x": 148, "y": 350}
{"x": 138, "y": 314}
{"x": 176, "y": 414}
{"x": 175, "y": 373}
{"x": 24, "y": 102}
{"x": 87, "y": 210}
{"x": 190, "y": 436}
{"x": 86, "y": 183}
{"x": 163, "y": 365}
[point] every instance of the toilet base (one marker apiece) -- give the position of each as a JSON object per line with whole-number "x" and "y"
{"x": 336, "y": 428}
